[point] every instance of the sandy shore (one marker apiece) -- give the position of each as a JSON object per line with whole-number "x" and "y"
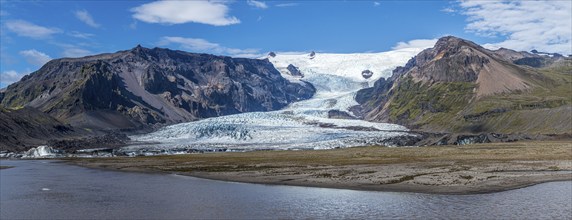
{"x": 479, "y": 168}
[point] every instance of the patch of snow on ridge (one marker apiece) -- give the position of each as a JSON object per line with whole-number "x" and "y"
{"x": 301, "y": 125}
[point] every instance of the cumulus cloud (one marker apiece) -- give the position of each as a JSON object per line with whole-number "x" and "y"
{"x": 204, "y": 46}
{"x": 179, "y": 12}
{"x": 415, "y": 44}
{"x": 27, "y": 29}
{"x": 35, "y": 57}
{"x": 524, "y": 25}
{"x": 10, "y": 76}
{"x": 86, "y": 18}
{"x": 257, "y": 4}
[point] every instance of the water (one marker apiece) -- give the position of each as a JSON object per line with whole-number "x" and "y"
{"x": 52, "y": 190}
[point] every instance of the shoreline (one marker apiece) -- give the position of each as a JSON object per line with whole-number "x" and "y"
{"x": 517, "y": 183}
{"x": 407, "y": 188}
{"x": 472, "y": 169}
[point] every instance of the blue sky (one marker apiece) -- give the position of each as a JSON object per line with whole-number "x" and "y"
{"x": 33, "y": 32}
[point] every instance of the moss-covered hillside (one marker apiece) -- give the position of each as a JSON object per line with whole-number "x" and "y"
{"x": 542, "y": 105}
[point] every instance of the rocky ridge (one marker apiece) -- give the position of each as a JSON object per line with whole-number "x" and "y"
{"x": 141, "y": 88}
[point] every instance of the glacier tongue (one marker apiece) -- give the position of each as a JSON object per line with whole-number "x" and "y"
{"x": 302, "y": 125}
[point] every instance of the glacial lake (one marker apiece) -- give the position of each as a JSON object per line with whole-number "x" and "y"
{"x": 43, "y": 189}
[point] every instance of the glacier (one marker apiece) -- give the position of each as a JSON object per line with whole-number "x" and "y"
{"x": 301, "y": 125}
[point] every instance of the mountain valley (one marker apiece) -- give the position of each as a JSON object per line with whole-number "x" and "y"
{"x": 174, "y": 101}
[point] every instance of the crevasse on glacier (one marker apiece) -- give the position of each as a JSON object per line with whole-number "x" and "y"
{"x": 304, "y": 124}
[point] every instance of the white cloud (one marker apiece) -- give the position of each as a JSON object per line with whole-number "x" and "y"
{"x": 27, "y": 29}
{"x": 415, "y": 44}
{"x": 179, "y": 12}
{"x": 75, "y": 52}
{"x": 287, "y": 5}
{"x": 541, "y": 25}
{"x": 35, "y": 57}
{"x": 204, "y": 46}
{"x": 257, "y": 4}
{"x": 10, "y": 76}
{"x": 449, "y": 10}
{"x": 86, "y": 18}
{"x": 82, "y": 35}
{"x": 375, "y": 4}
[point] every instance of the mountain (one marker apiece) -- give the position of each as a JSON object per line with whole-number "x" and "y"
{"x": 459, "y": 86}
{"x": 144, "y": 87}
{"x": 534, "y": 59}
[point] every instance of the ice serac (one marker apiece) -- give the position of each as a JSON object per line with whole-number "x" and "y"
{"x": 321, "y": 122}
{"x": 144, "y": 87}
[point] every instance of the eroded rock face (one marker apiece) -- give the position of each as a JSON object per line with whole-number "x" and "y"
{"x": 143, "y": 87}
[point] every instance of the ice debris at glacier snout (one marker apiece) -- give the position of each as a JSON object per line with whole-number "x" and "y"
{"x": 41, "y": 152}
{"x": 302, "y": 125}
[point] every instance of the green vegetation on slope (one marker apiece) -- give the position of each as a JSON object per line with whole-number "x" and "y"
{"x": 428, "y": 104}
{"x": 452, "y": 106}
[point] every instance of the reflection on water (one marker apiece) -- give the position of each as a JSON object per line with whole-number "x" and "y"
{"x": 51, "y": 190}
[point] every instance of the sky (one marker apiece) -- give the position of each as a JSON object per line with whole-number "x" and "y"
{"x": 34, "y": 32}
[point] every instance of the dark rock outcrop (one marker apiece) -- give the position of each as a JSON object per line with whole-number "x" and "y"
{"x": 340, "y": 114}
{"x": 294, "y": 71}
{"x": 144, "y": 87}
{"x": 367, "y": 74}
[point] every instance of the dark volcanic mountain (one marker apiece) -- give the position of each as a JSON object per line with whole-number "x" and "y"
{"x": 459, "y": 86}
{"x": 143, "y": 87}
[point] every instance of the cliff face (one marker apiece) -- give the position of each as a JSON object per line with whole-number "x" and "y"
{"x": 459, "y": 86}
{"x": 143, "y": 87}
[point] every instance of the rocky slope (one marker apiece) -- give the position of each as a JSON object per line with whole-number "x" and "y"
{"x": 143, "y": 87}
{"x": 23, "y": 128}
{"x": 459, "y": 86}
